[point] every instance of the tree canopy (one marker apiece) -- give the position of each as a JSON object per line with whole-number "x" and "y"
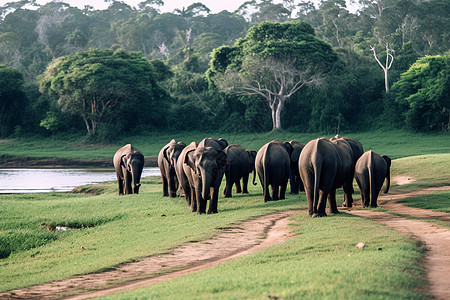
{"x": 425, "y": 90}
{"x": 273, "y": 61}
{"x": 90, "y": 84}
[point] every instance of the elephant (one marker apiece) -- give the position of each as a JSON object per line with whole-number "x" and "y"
{"x": 207, "y": 169}
{"x": 218, "y": 144}
{"x": 128, "y": 163}
{"x": 294, "y": 176}
{"x": 167, "y": 160}
{"x": 240, "y": 164}
{"x": 370, "y": 171}
{"x": 324, "y": 166}
{"x": 272, "y": 163}
{"x": 184, "y": 174}
{"x": 358, "y": 150}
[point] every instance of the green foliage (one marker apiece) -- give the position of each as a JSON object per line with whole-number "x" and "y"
{"x": 424, "y": 88}
{"x": 105, "y": 86}
{"x": 12, "y": 100}
{"x": 50, "y": 122}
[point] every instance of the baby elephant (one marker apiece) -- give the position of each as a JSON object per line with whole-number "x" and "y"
{"x": 370, "y": 171}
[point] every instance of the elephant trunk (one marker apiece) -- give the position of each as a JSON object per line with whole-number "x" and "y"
{"x": 388, "y": 182}
{"x": 136, "y": 177}
{"x": 206, "y": 184}
{"x": 254, "y": 176}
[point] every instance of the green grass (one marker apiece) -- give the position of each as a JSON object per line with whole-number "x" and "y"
{"x": 436, "y": 201}
{"x": 428, "y": 170}
{"x": 395, "y": 144}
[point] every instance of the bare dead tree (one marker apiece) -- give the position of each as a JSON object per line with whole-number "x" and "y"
{"x": 274, "y": 81}
{"x": 387, "y": 65}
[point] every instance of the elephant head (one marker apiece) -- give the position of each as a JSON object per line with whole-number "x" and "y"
{"x": 388, "y": 173}
{"x": 133, "y": 162}
{"x": 208, "y": 165}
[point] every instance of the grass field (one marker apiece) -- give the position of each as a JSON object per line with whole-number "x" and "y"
{"x": 395, "y": 144}
{"x": 322, "y": 262}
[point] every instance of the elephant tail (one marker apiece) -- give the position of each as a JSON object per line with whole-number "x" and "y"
{"x": 317, "y": 173}
{"x": 373, "y": 190}
{"x": 266, "y": 175}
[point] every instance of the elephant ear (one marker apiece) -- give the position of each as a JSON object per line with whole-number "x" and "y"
{"x": 223, "y": 143}
{"x": 296, "y": 153}
{"x": 288, "y": 147}
{"x": 388, "y": 160}
{"x": 190, "y": 160}
{"x": 221, "y": 159}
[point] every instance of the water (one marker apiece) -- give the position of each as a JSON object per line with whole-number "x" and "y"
{"x": 56, "y": 180}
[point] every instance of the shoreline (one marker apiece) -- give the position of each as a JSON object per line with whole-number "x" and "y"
{"x": 30, "y": 162}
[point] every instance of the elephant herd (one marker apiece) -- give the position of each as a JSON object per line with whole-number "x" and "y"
{"x": 318, "y": 168}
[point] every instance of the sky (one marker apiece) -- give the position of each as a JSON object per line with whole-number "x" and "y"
{"x": 215, "y": 6}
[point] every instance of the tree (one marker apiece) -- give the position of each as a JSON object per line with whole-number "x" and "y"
{"x": 12, "y": 99}
{"x": 273, "y": 61}
{"x": 387, "y": 65}
{"x": 425, "y": 90}
{"x": 95, "y": 83}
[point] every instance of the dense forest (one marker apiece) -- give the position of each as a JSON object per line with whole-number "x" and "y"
{"x": 268, "y": 65}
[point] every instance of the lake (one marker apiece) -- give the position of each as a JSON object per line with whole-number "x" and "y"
{"x": 37, "y": 180}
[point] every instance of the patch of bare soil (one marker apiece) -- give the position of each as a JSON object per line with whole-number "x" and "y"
{"x": 401, "y": 180}
{"x": 232, "y": 242}
{"x": 436, "y": 238}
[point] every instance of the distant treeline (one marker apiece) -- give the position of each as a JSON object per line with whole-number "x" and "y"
{"x": 390, "y": 67}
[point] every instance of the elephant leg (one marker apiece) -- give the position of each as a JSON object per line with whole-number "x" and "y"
{"x": 128, "y": 182}
{"x": 332, "y": 202}
{"x": 293, "y": 183}
{"x": 374, "y": 198}
{"x": 245, "y": 184}
{"x": 182, "y": 192}
{"x": 193, "y": 200}
{"x": 212, "y": 209}
{"x": 275, "y": 192}
{"x": 228, "y": 188}
{"x": 310, "y": 199}
{"x": 320, "y": 212}
{"x": 283, "y": 188}
{"x": 172, "y": 186}
{"x": 165, "y": 186}
{"x": 237, "y": 183}
{"x": 120, "y": 183}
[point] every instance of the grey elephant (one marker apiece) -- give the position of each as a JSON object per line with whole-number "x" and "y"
{"x": 294, "y": 176}
{"x": 370, "y": 171}
{"x": 358, "y": 150}
{"x": 272, "y": 164}
{"x": 240, "y": 164}
{"x": 218, "y": 144}
{"x": 324, "y": 166}
{"x": 184, "y": 174}
{"x": 128, "y": 163}
{"x": 207, "y": 169}
{"x": 167, "y": 160}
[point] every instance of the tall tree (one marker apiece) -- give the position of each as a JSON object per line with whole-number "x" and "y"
{"x": 425, "y": 90}
{"x": 92, "y": 84}
{"x": 273, "y": 61}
